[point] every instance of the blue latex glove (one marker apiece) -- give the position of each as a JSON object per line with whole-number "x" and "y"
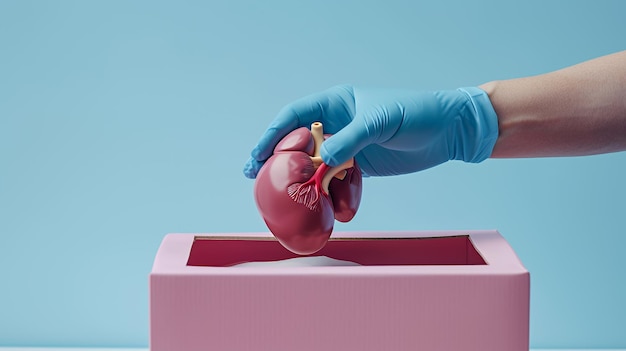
{"x": 389, "y": 132}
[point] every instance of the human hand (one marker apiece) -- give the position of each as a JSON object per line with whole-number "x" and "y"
{"x": 389, "y": 132}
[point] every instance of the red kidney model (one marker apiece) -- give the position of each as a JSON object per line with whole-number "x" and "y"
{"x": 299, "y": 196}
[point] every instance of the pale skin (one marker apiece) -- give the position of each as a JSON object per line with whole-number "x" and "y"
{"x": 575, "y": 111}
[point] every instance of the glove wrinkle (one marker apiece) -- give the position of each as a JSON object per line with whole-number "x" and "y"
{"x": 390, "y": 132}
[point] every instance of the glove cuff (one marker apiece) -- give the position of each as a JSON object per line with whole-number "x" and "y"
{"x": 480, "y": 140}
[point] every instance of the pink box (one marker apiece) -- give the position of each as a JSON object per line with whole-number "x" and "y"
{"x": 433, "y": 291}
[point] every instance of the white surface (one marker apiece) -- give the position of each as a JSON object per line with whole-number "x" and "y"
{"x": 313, "y": 261}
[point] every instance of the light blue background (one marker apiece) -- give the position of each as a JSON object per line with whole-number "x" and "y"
{"x": 123, "y": 121}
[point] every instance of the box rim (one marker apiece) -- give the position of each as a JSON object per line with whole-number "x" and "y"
{"x": 490, "y": 244}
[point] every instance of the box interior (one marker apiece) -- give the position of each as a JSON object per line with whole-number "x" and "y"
{"x": 224, "y": 251}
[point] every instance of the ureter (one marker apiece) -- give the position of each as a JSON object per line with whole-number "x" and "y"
{"x": 338, "y": 171}
{"x": 317, "y": 131}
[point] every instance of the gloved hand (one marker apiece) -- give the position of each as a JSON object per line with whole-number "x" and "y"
{"x": 389, "y": 132}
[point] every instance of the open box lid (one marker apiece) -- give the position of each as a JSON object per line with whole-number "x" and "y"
{"x": 221, "y": 251}
{"x": 443, "y": 251}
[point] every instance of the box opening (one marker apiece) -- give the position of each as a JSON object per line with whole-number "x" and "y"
{"x": 224, "y": 251}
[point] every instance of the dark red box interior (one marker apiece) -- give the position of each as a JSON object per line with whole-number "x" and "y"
{"x": 227, "y": 251}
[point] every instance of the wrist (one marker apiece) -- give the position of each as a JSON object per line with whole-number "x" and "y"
{"x": 480, "y": 124}
{"x": 488, "y": 87}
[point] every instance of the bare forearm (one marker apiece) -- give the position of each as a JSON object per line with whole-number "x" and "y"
{"x": 579, "y": 110}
